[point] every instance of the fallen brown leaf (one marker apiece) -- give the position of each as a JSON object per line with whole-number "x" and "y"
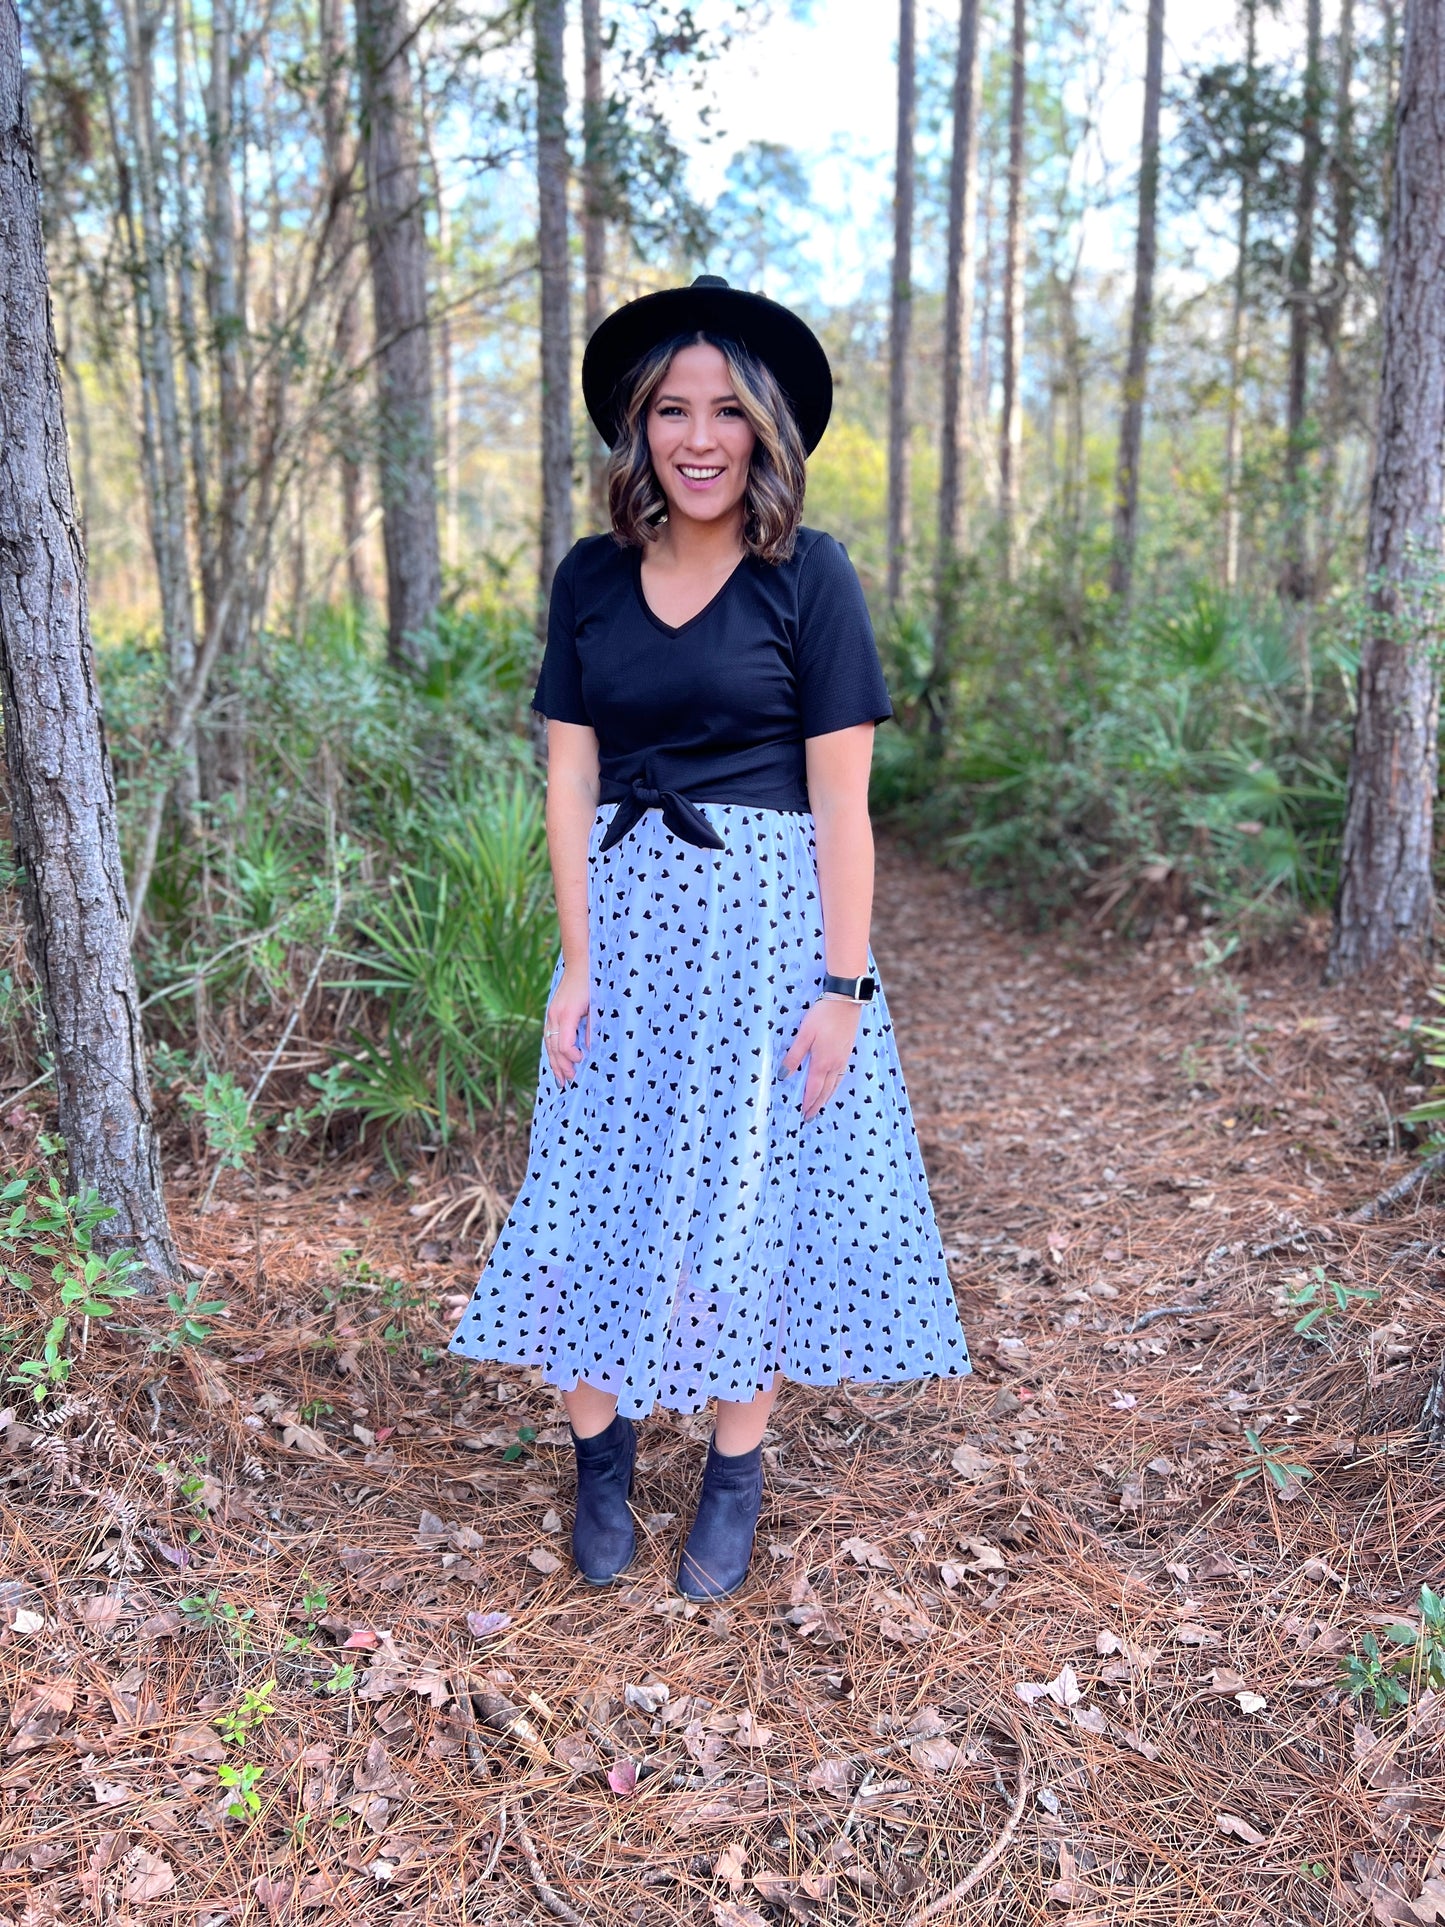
{"x": 149, "y": 1876}
{"x": 733, "y": 1913}
{"x": 1241, "y": 1829}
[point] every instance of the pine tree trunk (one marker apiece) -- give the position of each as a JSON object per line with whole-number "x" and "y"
{"x": 900, "y": 317}
{"x": 62, "y": 793}
{"x": 985, "y": 290}
{"x": 1071, "y": 353}
{"x": 1010, "y": 441}
{"x": 1141, "y": 320}
{"x": 229, "y": 601}
{"x": 1386, "y": 895}
{"x": 170, "y": 536}
{"x": 396, "y": 237}
{"x": 1335, "y": 411}
{"x": 595, "y": 199}
{"x": 340, "y": 149}
{"x": 550, "y": 22}
{"x": 1297, "y": 580}
{"x": 446, "y": 358}
{"x": 1239, "y": 320}
{"x": 957, "y": 346}
{"x": 186, "y": 309}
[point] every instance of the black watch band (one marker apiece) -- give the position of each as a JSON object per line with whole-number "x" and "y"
{"x": 858, "y": 990}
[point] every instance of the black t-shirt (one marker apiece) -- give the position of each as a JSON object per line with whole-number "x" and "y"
{"x": 717, "y": 709}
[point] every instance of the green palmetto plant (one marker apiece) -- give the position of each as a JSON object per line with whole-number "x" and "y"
{"x": 460, "y": 952}
{"x": 1432, "y": 1035}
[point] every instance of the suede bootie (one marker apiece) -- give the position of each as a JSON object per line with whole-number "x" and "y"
{"x": 720, "y": 1546}
{"x": 603, "y": 1538}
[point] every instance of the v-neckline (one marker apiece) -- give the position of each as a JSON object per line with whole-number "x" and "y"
{"x": 681, "y": 628}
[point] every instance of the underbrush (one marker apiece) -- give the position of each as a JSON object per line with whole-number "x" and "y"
{"x": 1189, "y": 762}
{"x": 360, "y": 941}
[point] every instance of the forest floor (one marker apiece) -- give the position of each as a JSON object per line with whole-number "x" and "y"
{"x": 1033, "y": 1640}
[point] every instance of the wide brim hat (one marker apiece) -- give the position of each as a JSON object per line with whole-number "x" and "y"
{"x": 771, "y": 332}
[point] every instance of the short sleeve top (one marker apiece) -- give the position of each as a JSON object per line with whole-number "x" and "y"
{"x": 717, "y": 709}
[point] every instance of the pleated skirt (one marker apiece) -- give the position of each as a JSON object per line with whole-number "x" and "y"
{"x": 682, "y": 1232}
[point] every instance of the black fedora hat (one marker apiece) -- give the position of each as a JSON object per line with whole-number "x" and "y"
{"x": 765, "y": 328}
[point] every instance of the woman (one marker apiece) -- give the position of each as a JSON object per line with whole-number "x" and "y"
{"x": 724, "y": 1187}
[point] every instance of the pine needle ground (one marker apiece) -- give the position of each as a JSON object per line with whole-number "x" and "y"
{"x": 459, "y": 1731}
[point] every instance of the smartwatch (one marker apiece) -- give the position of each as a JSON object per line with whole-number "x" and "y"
{"x": 858, "y": 990}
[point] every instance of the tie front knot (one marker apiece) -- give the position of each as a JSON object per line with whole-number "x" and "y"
{"x": 682, "y": 818}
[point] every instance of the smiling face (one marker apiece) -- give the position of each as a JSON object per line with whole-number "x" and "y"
{"x": 700, "y": 441}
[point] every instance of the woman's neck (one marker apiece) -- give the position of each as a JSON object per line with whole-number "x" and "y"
{"x": 683, "y": 543}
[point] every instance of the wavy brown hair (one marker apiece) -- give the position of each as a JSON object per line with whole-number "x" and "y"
{"x": 777, "y": 474}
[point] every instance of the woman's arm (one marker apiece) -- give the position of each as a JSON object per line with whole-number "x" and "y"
{"x": 838, "y": 792}
{"x": 573, "y": 788}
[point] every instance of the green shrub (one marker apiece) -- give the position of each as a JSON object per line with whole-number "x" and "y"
{"x": 459, "y": 950}
{"x": 1182, "y": 757}
{"x": 357, "y": 774}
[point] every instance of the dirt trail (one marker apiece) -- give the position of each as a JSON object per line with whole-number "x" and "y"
{"x": 847, "y": 1740}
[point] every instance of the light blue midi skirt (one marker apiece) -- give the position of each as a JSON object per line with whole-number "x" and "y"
{"x": 682, "y": 1232}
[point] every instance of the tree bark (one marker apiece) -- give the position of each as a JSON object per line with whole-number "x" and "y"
{"x": 1071, "y": 356}
{"x": 186, "y": 306}
{"x": 1386, "y": 897}
{"x": 957, "y": 347}
{"x": 62, "y": 792}
{"x": 340, "y": 148}
{"x": 1010, "y": 441}
{"x": 1336, "y": 407}
{"x": 1141, "y": 320}
{"x": 1297, "y": 581}
{"x": 900, "y": 316}
{"x": 396, "y": 238}
{"x": 985, "y": 290}
{"x": 1239, "y": 316}
{"x": 170, "y": 535}
{"x": 446, "y": 355}
{"x": 223, "y": 728}
{"x": 596, "y": 197}
{"x": 549, "y": 22}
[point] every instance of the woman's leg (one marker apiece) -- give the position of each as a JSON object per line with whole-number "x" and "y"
{"x": 603, "y": 1538}
{"x": 719, "y": 1547}
{"x": 589, "y": 1410}
{"x": 740, "y": 1425}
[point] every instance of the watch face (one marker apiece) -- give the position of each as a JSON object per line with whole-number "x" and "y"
{"x": 866, "y": 988}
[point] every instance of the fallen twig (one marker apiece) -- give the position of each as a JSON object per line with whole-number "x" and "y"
{"x": 1156, "y": 1312}
{"x": 559, "y": 1908}
{"x": 495, "y": 1855}
{"x": 1247, "y": 1248}
{"x": 1367, "y": 1213}
{"x": 1400, "y": 1189}
{"x": 990, "y": 1860}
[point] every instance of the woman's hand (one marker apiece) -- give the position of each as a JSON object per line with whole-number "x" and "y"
{"x": 566, "y": 1011}
{"x": 825, "y": 1037}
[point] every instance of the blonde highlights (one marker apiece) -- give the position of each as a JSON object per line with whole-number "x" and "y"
{"x": 777, "y": 473}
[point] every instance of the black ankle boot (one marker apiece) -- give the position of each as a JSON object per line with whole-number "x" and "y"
{"x": 720, "y": 1546}
{"x": 603, "y": 1539}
